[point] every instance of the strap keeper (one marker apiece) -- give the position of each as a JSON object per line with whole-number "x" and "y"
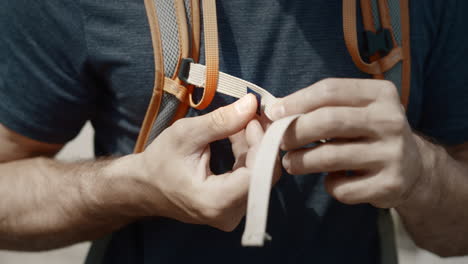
{"x": 184, "y": 69}
{"x": 379, "y": 42}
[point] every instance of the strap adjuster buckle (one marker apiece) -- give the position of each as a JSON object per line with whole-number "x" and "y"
{"x": 184, "y": 69}
{"x": 380, "y": 41}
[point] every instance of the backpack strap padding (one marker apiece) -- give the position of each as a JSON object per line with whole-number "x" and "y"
{"x": 194, "y": 6}
{"x": 210, "y": 30}
{"x": 182, "y": 25}
{"x": 156, "y": 97}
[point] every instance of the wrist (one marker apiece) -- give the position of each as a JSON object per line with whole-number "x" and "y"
{"x": 120, "y": 189}
{"x": 427, "y": 190}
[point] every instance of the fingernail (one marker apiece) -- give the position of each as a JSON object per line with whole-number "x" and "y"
{"x": 243, "y": 104}
{"x": 277, "y": 111}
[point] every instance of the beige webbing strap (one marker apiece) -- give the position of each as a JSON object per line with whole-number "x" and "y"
{"x": 230, "y": 85}
{"x": 260, "y": 183}
{"x": 262, "y": 174}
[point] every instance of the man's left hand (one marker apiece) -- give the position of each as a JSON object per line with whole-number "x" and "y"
{"x": 367, "y": 133}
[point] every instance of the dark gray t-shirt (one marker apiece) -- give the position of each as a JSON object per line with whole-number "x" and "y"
{"x": 65, "y": 62}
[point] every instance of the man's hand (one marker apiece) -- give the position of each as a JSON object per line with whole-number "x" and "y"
{"x": 367, "y": 133}
{"x": 176, "y": 167}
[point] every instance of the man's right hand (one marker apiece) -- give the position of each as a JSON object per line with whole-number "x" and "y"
{"x": 175, "y": 167}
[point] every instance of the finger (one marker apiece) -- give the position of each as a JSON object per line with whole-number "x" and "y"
{"x": 278, "y": 171}
{"x": 219, "y": 124}
{"x": 239, "y": 148}
{"x": 254, "y": 133}
{"x": 348, "y": 189}
{"x": 232, "y": 219}
{"x": 333, "y": 156}
{"x": 374, "y": 188}
{"x": 232, "y": 187}
{"x": 328, "y": 122}
{"x": 331, "y": 92}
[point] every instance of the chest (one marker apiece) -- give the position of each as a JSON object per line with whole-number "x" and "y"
{"x": 281, "y": 45}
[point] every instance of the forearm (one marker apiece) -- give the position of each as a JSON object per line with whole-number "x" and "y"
{"x": 48, "y": 204}
{"x": 436, "y": 214}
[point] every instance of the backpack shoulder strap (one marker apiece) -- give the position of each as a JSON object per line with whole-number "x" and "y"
{"x": 387, "y": 40}
{"x": 175, "y": 34}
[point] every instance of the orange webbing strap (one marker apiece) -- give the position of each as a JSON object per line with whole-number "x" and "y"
{"x": 210, "y": 29}
{"x": 195, "y": 7}
{"x": 184, "y": 38}
{"x": 351, "y": 41}
{"x": 379, "y": 65}
{"x": 194, "y": 54}
{"x": 175, "y": 88}
{"x": 406, "y": 46}
{"x": 155, "y": 101}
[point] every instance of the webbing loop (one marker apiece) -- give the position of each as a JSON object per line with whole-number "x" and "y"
{"x": 210, "y": 29}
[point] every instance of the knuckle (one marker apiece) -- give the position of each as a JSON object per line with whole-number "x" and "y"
{"x": 228, "y": 226}
{"x": 396, "y": 152}
{"x": 388, "y": 89}
{"x": 214, "y": 207}
{"x": 331, "y": 119}
{"x": 292, "y": 170}
{"x": 328, "y": 88}
{"x": 180, "y": 125}
{"x": 291, "y": 164}
{"x": 179, "y": 128}
{"x": 343, "y": 194}
{"x": 392, "y": 187}
{"x": 328, "y": 159}
{"x": 218, "y": 119}
{"x": 395, "y": 123}
{"x": 211, "y": 214}
{"x": 209, "y": 210}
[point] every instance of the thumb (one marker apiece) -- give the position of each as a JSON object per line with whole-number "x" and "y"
{"x": 223, "y": 122}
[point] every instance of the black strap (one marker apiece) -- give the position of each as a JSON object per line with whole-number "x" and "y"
{"x": 380, "y": 42}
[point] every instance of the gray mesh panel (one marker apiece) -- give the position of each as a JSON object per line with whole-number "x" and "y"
{"x": 169, "y": 34}
{"x": 395, "y": 16}
{"x": 188, "y": 12}
{"x": 170, "y": 45}
{"x": 167, "y": 110}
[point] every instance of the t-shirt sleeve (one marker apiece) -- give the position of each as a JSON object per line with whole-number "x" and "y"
{"x": 445, "y": 91}
{"x": 42, "y": 60}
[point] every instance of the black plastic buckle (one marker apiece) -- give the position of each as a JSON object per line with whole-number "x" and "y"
{"x": 259, "y": 99}
{"x": 184, "y": 69}
{"x": 380, "y": 42}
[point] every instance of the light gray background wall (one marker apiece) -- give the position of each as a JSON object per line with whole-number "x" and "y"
{"x": 81, "y": 148}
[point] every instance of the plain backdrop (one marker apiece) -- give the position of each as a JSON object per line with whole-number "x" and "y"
{"x": 82, "y": 148}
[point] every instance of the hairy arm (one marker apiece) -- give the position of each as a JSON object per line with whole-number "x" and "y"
{"x": 47, "y": 203}
{"x": 436, "y": 213}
